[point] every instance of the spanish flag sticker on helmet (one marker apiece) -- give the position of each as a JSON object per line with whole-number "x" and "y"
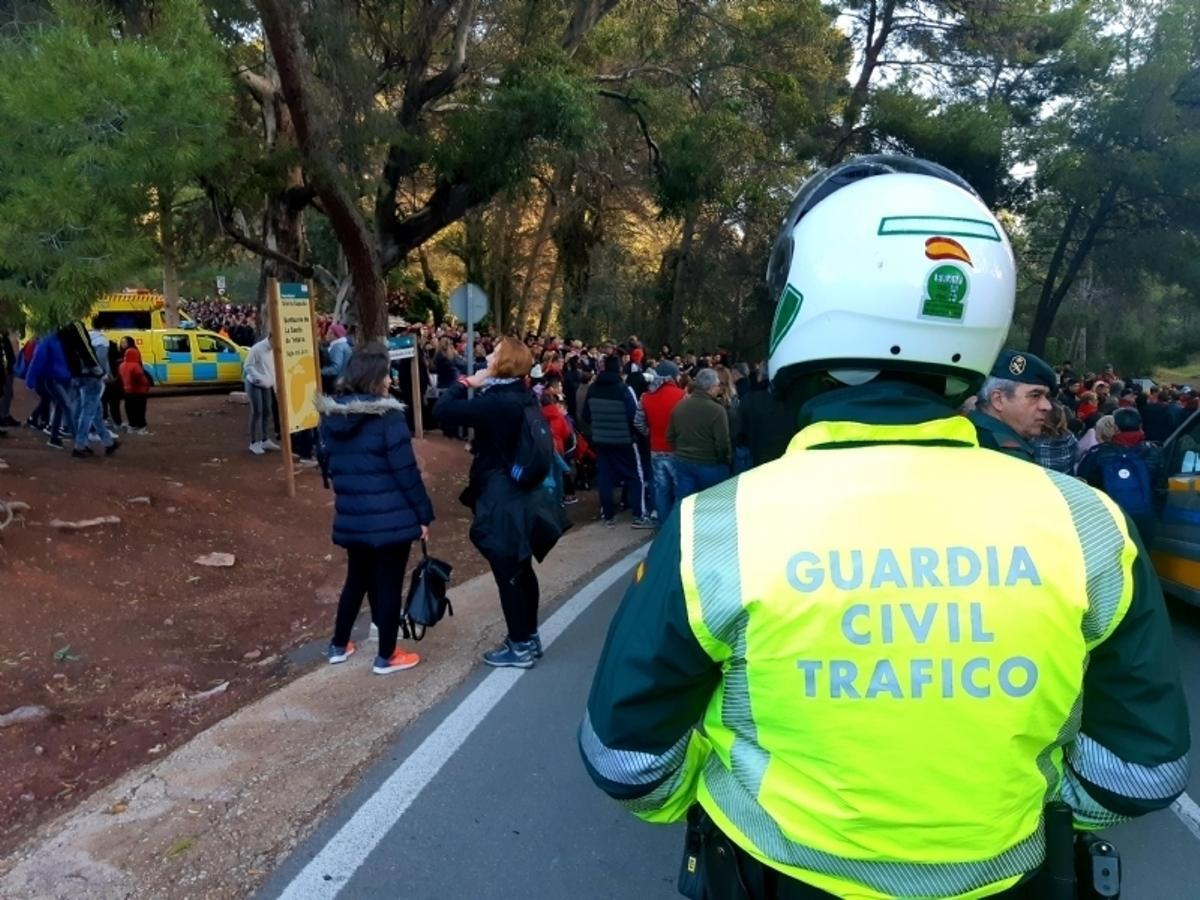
{"x": 947, "y": 248}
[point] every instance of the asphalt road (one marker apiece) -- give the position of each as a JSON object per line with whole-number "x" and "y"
{"x": 512, "y": 814}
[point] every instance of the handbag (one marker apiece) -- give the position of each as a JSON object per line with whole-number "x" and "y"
{"x": 426, "y": 602}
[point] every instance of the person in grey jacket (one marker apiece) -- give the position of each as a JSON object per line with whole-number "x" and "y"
{"x": 608, "y": 416}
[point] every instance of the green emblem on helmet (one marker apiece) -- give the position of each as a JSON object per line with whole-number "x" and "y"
{"x": 945, "y": 293}
{"x": 785, "y": 315}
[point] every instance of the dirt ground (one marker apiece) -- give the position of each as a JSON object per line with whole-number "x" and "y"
{"x": 128, "y": 644}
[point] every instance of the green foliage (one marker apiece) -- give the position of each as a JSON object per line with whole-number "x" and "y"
{"x": 539, "y": 103}
{"x": 99, "y": 123}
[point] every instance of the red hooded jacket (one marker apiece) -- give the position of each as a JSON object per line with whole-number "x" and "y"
{"x": 133, "y": 375}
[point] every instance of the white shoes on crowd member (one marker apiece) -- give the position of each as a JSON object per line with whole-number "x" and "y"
{"x": 257, "y": 448}
{"x": 269, "y": 444}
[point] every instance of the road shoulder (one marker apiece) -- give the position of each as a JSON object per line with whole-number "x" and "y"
{"x": 216, "y": 816}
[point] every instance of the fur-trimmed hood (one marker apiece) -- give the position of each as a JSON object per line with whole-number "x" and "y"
{"x": 346, "y": 413}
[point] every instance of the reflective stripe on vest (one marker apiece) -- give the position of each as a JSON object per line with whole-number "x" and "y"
{"x": 873, "y": 606}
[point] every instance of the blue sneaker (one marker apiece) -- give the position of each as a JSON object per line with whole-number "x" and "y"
{"x": 514, "y": 654}
{"x": 535, "y": 645}
{"x": 338, "y": 654}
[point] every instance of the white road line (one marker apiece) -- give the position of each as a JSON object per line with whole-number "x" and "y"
{"x": 1189, "y": 814}
{"x": 334, "y": 865}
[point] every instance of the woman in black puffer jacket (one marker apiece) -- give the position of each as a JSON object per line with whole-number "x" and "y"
{"x": 512, "y": 526}
{"x": 381, "y": 505}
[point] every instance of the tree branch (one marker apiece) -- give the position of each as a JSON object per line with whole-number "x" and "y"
{"x": 230, "y": 230}
{"x": 587, "y": 13}
{"x": 631, "y": 103}
{"x": 263, "y": 88}
{"x": 661, "y": 70}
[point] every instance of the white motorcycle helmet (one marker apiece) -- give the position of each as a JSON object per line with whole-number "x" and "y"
{"x": 889, "y": 263}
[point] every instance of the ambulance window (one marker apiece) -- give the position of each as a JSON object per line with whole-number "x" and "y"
{"x": 177, "y": 343}
{"x": 1185, "y": 456}
{"x": 207, "y": 344}
{"x": 121, "y": 320}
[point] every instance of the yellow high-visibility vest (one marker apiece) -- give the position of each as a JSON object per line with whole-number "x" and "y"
{"x": 903, "y": 632}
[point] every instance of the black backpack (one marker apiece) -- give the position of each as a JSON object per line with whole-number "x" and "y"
{"x": 535, "y": 450}
{"x": 427, "y": 601}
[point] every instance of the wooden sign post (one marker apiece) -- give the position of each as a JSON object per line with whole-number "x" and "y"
{"x": 297, "y": 374}
{"x": 404, "y": 346}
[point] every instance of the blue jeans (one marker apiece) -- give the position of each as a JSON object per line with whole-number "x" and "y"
{"x": 64, "y": 407}
{"x": 692, "y": 478}
{"x": 663, "y": 465}
{"x": 88, "y": 411}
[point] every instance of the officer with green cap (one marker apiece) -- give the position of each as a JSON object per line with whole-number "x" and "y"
{"x": 1013, "y": 404}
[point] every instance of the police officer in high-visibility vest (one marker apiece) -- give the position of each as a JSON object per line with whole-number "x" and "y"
{"x": 866, "y": 669}
{"x": 1013, "y": 404}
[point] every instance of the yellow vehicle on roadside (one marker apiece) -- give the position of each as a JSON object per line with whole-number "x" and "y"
{"x": 184, "y": 356}
{"x": 1176, "y": 550}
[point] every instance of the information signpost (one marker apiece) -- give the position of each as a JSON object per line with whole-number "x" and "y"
{"x": 404, "y": 346}
{"x": 297, "y": 375}
{"x": 469, "y": 303}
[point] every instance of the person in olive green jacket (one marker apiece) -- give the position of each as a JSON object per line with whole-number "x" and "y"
{"x": 699, "y": 432}
{"x": 1013, "y": 404}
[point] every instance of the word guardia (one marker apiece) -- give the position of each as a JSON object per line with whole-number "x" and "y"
{"x": 851, "y": 570}
{"x": 896, "y": 624}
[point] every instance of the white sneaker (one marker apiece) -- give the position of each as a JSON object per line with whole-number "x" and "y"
{"x": 373, "y": 633}
{"x": 306, "y": 464}
{"x": 257, "y": 448}
{"x": 269, "y": 445}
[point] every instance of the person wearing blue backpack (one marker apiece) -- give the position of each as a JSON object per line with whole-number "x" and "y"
{"x": 514, "y": 521}
{"x": 1127, "y": 467}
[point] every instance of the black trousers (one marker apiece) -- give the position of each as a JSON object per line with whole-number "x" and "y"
{"x": 379, "y": 573}
{"x": 519, "y": 595}
{"x": 730, "y": 873}
{"x": 113, "y": 395}
{"x": 135, "y": 409}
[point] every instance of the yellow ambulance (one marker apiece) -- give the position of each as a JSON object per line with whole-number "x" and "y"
{"x": 185, "y": 356}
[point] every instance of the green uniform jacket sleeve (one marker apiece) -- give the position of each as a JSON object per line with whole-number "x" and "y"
{"x": 654, "y": 681}
{"x": 1131, "y": 754}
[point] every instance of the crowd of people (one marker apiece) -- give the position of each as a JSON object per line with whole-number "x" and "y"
{"x": 236, "y": 321}
{"x": 1105, "y": 430}
{"x": 81, "y": 380}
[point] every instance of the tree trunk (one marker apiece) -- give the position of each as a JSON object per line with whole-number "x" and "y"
{"x": 431, "y": 282}
{"x": 348, "y": 223}
{"x": 167, "y": 240}
{"x": 535, "y": 258}
{"x": 548, "y": 300}
{"x": 880, "y": 22}
{"x": 680, "y": 286}
{"x": 1054, "y": 288}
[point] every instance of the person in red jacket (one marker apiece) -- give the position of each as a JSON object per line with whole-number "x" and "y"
{"x": 563, "y": 435}
{"x": 653, "y": 417}
{"x": 136, "y": 384}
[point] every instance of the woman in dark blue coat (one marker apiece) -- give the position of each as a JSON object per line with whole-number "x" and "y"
{"x": 381, "y": 505}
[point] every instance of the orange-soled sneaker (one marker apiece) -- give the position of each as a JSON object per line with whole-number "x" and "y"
{"x": 338, "y": 654}
{"x": 400, "y": 661}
